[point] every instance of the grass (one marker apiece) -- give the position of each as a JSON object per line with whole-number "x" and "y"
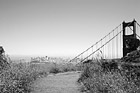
{"x": 62, "y": 67}
{"x": 55, "y": 70}
{"x": 96, "y": 79}
{"x": 19, "y": 77}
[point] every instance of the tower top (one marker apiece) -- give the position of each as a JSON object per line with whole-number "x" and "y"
{"x": 130, "y": 42}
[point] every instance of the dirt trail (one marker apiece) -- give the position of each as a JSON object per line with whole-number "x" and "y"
{"x": 59, "y": 83}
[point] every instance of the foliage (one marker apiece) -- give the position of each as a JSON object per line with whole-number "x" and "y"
{"x": 18, "y": 78}
{"x": 54, "y": 70}
{"x": 57, "y": 68}
{"x": 96, "y": 80}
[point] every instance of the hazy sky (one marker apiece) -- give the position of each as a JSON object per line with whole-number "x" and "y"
{"x": 60, "y": 27}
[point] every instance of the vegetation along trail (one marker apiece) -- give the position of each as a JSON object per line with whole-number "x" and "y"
{"x": 59, "y": 83}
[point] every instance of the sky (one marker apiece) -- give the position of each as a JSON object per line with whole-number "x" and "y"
{"x": 60, "y": 27}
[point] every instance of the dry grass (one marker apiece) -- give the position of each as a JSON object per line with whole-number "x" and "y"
{"x": 57, "y": 68}
{"x": 96, "y": 80}
{"x": 19, "y": 77}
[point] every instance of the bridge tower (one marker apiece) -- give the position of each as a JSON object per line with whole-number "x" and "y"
{"x": 130, "y": 41}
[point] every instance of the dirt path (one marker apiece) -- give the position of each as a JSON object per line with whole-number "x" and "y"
{"x": 59, "y": 83}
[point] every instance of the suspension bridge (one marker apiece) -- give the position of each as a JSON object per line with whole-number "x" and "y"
{"x": 116, "y": 44}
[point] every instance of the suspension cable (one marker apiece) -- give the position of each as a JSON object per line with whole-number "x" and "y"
{"x": 117, "y": 45}
{"x": 120, "y": 41}
{"x": 112, "y": 46}
{"x": 138, "y": 23}
{"x": 95, "y": 43}
{"x": 106, "y": 42}
{"x": 102, "y": 46}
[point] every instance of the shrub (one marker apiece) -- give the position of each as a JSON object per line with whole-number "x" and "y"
{"x": 62, "y": 67}
{"x": 54, "y": 70}
{"x": 96, "y": 80}
{"x": 19, "y": 78}
{"x": 3, "y": 63}
{"x": 68, "y": 67}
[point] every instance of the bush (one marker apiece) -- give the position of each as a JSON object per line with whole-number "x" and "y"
{"x": 19, "y": 78}
{"x": 62, "y": 67}
{"x": 3, "y": 63}
{"x": 68, "y": 67}
{"x": 96, "y": 80}
{"x": 54, "y": 70}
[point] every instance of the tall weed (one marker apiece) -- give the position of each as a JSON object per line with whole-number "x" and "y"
{"x": 96, "y": 80}
{"x": 19, "y": 78}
